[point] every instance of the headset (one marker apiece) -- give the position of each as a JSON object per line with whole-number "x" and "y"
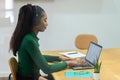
{"x": 37, "y": 14}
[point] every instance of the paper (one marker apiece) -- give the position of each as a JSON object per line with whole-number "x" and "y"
{"x": 81, "y": 74}
{"x": 73, "y": 54}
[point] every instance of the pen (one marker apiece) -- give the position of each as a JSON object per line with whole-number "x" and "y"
{"x": 71, "y": 53}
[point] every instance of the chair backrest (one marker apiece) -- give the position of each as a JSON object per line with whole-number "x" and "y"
{"x": 13, "y": 67}
{"x": 82, "y": 40}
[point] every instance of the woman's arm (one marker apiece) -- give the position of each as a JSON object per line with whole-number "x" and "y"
{"x": 56, "y": 58}
{"x": 51, "y": 58}
{"x": 40, "y": 60}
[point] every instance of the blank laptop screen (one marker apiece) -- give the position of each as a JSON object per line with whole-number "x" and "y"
{"x": 93, "y": 53}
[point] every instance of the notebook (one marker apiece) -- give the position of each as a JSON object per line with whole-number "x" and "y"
{"x": 91, "y": 57}
{"x": 72, "y": 54}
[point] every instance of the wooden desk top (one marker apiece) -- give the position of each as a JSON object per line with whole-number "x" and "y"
{"x": 109, "y": 70}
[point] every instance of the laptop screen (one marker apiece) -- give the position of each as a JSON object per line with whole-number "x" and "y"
{"x": 93, "y": 53}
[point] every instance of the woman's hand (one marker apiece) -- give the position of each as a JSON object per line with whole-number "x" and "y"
{"x": 75, "y": 62}
{"x": 63, "y": 58}
{"x": 72, "y": 61}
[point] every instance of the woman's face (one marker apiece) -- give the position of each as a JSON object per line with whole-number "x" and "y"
{"x": 43, "y": 23}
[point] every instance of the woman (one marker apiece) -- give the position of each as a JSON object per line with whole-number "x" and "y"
{"x": 32, "y": 19}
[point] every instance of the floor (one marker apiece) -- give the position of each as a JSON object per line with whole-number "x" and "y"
{"x": 3, "y": 78}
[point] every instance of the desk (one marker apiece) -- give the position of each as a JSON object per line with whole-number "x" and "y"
{"x": 110, "y": 69}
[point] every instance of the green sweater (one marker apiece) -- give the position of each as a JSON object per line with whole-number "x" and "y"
{"x": 31, "y": 60}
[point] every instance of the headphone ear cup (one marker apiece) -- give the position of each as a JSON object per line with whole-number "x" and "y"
{"x": 36, "y": 21}
{"x": 36, "y": 17}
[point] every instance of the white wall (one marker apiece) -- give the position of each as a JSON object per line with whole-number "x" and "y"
{"x": 66, "y": 19}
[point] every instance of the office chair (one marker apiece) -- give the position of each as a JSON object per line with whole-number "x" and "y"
{"x": 14, "y": 68}
{"x": 82, "y": 40}
{"x": 13, "y": 64}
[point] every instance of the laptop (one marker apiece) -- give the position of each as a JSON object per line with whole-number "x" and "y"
{"x": 91, "y": 57}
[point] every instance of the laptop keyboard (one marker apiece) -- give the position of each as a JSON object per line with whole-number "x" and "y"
{"x": 87, "y": 65}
